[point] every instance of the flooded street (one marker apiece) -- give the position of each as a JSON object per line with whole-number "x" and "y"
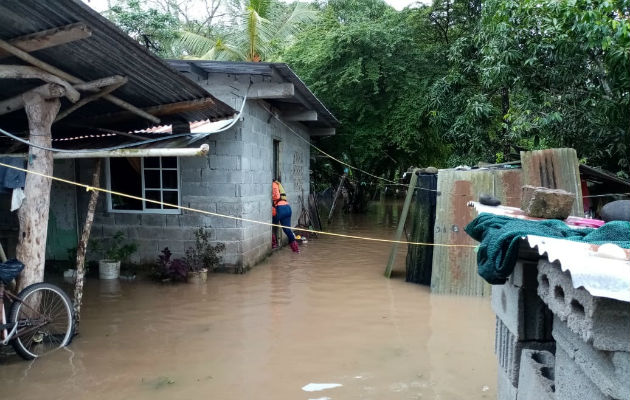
{"x": 326, "y": 315}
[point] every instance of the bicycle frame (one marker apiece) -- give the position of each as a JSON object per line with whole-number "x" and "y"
{"x": 6, "y": 336}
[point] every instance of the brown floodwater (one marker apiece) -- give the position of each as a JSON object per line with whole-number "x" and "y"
{"x": 325, "y": 316}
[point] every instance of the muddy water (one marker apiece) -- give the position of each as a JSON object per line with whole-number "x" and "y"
{"x": 324, "y": 316}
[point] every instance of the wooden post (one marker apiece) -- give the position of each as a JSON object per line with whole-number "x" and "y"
{"x": 332, "y": 207}
{"x": 82, "y": 247}
{"x": 33, "y": 214}
{"x": 401, "y": 222}
{"x": 554, "y": 169}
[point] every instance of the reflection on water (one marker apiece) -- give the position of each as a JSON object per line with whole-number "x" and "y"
{"x": 320, "y": 317}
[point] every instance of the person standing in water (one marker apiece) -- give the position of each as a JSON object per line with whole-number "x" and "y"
{"x": 281, "y": 213}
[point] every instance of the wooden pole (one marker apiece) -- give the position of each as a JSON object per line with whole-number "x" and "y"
{"x": 332, "y": 207}
{"x": 82, "y": 246}
{"x": 89, "y": 99}
{"x": 401, "y": 222}
{"x": 33, "y": 214}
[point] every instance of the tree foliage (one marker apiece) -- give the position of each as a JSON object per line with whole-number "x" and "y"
{"x": 469, "y": 81}
{"x": 367, "y": 62}
{"x": 258, "y": 30}
{"x": 154, "y": 29}
{"x": 460, "y": 81}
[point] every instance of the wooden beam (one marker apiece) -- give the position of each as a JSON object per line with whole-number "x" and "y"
{"x": 49, "y": 38}
{"x": 268, "y": 90}
{"x": 72, "y": 79}
{"x": 26, "y": 72}
{"x": 308, "y": 115}
{"x": 100, "y": 83}
{"x": 322, "y": 131}
{"x": 161, "y": 110}
{"x": 89, "y": 99}
{"x": 47, "y": 91}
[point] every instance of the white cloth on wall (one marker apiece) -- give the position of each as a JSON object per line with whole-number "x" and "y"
{"x": 17, "y": 198}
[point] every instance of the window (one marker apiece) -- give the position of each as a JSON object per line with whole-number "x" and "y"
{"x": 276, "y": 159}
{"x": 153, "y": 178}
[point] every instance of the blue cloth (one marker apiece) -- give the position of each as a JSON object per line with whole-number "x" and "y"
{"x": 283, "y": 216}
{"x": 500, "y": 240}
{"x": 12, "y": 178}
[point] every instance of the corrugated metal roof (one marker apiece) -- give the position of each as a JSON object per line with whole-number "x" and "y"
{"x": 108, "y": 51}
{"x": 604, "y": 271}
{"x": 311, "y": 102}
{"x": 594, "y": 267}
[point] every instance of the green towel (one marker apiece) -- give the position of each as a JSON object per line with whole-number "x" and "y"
{"x": 500, "y": 235}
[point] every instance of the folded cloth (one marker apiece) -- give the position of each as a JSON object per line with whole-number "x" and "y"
{"x": 12, "y": 178}
{"x": 17, "y": 198}
{"x": 500, "y": 236}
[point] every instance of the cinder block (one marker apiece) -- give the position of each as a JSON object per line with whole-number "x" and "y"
{"x": 609, "y": 371}
{"x": 522, "y": 311}
{"x": 508, "y": 350}
{"x": 127, "y": 219}
{"x": 536, "y": 376}
{"x": 524, "y": 275}
{"x": 158, "y": 220}
{"x": 603, "y": 322}
{"x": 571, "y": 383}
{"x": 505, "y": 389}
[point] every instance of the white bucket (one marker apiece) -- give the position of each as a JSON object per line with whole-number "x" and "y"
{"x": 108, "y": 269}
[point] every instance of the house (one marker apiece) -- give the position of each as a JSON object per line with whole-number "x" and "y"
{"x": 270, "y": 139}
{"x": 255, "y": 120}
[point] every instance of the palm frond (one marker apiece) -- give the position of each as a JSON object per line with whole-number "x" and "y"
{"x": 196, "y": 44}
{"x": 302, "y": 14}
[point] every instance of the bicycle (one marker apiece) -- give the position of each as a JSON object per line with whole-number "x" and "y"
{"x": 40, "y": 319}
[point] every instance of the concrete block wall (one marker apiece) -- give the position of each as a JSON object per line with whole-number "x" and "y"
{"x": 234, "y": 179}
{"x": 536, "y": 375}
{"x": 571, "y": 383}
{"x": 260, "y": 129}
{"x": 603, "y": 322}
{"x": 509, "y": 351}
{"x": 608, "y": 371}
{"x": 518, "y": 306}
{"x": 586, "y": 357}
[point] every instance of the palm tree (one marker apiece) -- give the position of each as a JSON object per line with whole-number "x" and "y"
{"x": 258, "y": 30}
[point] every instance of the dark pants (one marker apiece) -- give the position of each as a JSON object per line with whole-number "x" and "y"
{"x": 283, "y": 216}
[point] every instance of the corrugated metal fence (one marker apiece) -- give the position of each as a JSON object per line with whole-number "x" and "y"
{"x": 455, "y": 268}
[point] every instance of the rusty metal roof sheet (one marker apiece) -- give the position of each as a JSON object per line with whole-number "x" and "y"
{"x": 455, "y": 268}
{"x": 108, "y": 51}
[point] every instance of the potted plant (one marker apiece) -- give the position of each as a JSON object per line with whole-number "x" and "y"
{"x": 202, "y": 256}
{"x": 167, "y": 269}
{"x": 115, "y": 252}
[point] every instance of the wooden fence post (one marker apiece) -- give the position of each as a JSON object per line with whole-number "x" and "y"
{"x": 401, "y": 222}
{"x": 82, "y": 247}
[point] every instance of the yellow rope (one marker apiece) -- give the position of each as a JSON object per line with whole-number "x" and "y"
{"x": 89, "y": 188}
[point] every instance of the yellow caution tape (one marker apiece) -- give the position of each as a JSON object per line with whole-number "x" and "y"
{"x": 90, "y": 188}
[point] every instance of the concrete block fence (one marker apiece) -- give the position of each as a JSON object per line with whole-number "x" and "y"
{"x": 556, "y": 342}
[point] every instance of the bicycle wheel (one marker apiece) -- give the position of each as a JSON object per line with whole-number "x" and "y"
{"x": 45, "y": 320}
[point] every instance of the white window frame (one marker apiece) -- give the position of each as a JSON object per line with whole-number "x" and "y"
{"x": 146, "y": 210}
